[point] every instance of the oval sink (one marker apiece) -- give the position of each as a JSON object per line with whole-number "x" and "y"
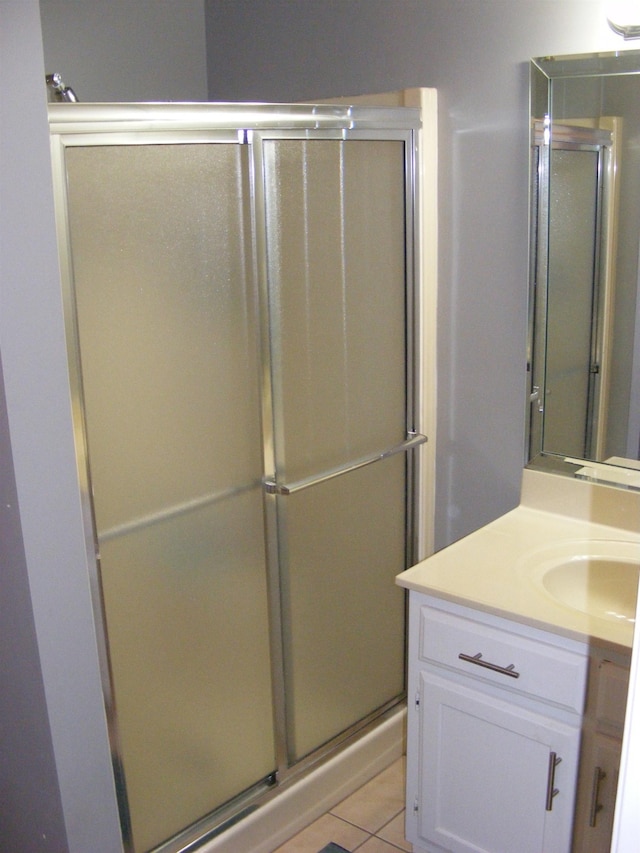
{"x": 601, "y": 586}
{"x": 597, "y": 577}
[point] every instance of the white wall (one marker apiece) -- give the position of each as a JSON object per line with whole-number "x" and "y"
{"x": 476, "y": 53}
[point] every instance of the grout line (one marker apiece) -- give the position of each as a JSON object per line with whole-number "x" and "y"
{"x": 400, "y": 810}
{"x": 372, "y": 834}
{"x": 351, "y": 823}
{"x": 357, "y": 825}
{"x": 390, "y": 843}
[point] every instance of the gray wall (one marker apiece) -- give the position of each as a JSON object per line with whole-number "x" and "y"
{"x": 127, "y": 50}
{"x": 31, "y": 808}
{"x": 475, "y": 52}
{"x": 55, "y": 767}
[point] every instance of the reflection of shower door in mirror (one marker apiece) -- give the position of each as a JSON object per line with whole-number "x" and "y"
{"x": 571, "y": 316}
{"x": 240, "y": 315}
{"x": 572, "y": 302}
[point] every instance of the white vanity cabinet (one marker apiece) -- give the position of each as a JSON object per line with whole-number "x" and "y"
{"x": 494, "y": 727}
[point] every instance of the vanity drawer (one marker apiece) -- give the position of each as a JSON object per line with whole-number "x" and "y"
{"x": 611, "y": 697}
{"x": 523, "y": 661}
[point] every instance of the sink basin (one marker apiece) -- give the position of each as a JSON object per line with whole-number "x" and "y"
{"x": 596, "y": 577}
{"x": 600, "y": 586}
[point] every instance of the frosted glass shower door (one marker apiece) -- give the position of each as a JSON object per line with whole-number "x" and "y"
{"x": 169, "y": 373}
{"x": 337, "y": 291}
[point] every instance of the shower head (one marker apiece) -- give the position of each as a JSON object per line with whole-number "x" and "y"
{"x": 58, "y": 91}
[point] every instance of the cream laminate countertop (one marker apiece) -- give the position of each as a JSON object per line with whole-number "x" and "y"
{"x": 495, "y": 568}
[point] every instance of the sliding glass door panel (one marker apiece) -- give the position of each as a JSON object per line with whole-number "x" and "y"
{"x": 164, "y": 298}
{"x": 343, "y": 542}
{"x": 335, "y": 232}
{"x": 335, "y": 213}
{"x": 185, "y": 605}
{"x": 161, "y": 265}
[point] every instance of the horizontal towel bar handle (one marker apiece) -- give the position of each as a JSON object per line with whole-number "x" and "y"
{"x": 414, "y": 439}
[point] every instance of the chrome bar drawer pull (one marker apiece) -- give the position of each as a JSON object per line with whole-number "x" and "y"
{"x": 554, "y": 760}
{"x": 477, "y": 659}
{"x": 598, "y": 776}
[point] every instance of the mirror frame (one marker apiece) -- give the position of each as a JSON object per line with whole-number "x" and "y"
{"x": 543, "y": 71}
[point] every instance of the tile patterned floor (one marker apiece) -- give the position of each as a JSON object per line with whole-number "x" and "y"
{"x": 371, "y": 820}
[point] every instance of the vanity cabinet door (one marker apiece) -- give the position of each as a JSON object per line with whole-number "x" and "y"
{"x": 492, "y": 776}
{"x": 601, "y": 749}
{"x": 597, "y": 788}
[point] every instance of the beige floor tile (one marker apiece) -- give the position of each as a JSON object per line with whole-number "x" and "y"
{"x": 377, "y": 845}
{"x": 377, "y": 802}
{"x": 393, "y": 832}
{"x": 327, "y": 828}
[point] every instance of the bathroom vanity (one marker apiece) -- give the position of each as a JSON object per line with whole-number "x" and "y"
{"x": 519, "y": 647}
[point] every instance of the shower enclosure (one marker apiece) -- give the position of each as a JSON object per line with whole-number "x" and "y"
{"x": 238, "y": 286}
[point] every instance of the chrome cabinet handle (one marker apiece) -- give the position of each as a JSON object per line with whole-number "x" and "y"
{"x": 477, "y": 659}
{"x": 554, "y": 760}
{"x": 598, "y": 776}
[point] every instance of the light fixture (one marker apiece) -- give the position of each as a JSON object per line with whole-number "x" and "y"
{"x": 623, "y": 17}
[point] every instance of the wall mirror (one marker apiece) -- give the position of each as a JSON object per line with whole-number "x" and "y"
{"x": 583, "y": 361}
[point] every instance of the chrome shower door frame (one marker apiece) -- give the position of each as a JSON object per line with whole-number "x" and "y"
{"x": 136, "y": 124}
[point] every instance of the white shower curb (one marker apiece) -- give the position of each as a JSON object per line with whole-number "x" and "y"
{"x": 304, "y": 801}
